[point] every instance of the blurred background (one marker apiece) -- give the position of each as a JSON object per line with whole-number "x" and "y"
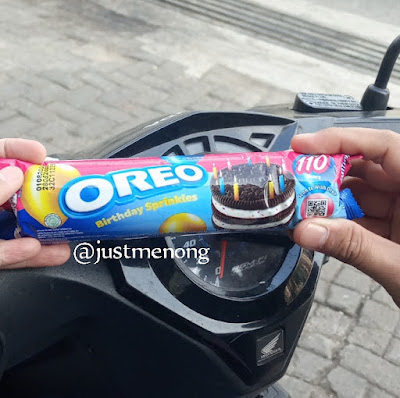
{"x": 73, "y": 73}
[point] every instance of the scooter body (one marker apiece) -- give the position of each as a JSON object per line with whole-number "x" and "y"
{"x": 149, "y": 328}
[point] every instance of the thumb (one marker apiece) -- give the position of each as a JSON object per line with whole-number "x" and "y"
{"x": 11, "y": 179}
{"x": 351, "y": 243}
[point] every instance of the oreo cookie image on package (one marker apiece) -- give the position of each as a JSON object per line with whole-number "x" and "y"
{"x": 255, "y": 196}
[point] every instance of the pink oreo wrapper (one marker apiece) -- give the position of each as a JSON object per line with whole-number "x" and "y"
{"x": 128, "y": 198}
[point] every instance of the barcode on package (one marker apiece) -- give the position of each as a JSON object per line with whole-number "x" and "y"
{"x": 317, "y": 207}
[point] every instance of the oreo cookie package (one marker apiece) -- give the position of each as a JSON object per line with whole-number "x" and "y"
{"x": 127, "y": 198}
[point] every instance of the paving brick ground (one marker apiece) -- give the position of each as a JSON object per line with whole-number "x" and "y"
{"x": 74, "y": 73}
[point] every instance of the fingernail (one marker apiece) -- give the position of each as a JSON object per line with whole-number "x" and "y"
{"x": 314, "y": 236}
{"x": 10, "y": 173}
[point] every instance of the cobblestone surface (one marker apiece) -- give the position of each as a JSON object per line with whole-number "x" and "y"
{"x": 73, "y": 73}
{"x": 346, "y": 384}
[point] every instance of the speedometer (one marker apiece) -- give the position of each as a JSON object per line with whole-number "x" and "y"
{"x": 231, "y": 265}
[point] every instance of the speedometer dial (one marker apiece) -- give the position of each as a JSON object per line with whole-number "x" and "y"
{"x": 231, "y": 265}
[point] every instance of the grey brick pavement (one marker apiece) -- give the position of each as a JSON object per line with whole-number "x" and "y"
{"x": 360, "y": 346}
{"x": 73, "y": 73}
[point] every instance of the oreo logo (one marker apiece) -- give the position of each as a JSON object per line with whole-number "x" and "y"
{"x": 94, "y": 194}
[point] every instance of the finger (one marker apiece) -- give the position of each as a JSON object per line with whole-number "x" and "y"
{"x": 46, "y": 256}
{"x": 11, "y": 179}
{"x": 17, "y": 251}
{"x": 376, "y": 225}
{"x": 18, "y": 148}
{"x": 374, "y": 175}
{"x": 395, "y": 221}
{"x": 373, "y": 202}
{"x": 380, "y": 146}
{"x": 351, "y": 243}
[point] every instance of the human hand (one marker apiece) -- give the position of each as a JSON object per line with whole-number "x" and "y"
{"x": 24, "y": 252}
{"x": 371, "y": 244}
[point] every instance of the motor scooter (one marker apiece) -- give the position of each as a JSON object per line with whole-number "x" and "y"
{"x": 174, "y": 327}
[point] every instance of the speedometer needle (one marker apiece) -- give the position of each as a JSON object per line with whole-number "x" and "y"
{"x": 222, "y": 263}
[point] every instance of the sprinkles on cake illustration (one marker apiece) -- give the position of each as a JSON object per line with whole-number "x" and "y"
{"x": 252, "y": 196}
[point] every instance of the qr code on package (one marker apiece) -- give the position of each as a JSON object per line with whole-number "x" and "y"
{"x": 317, "y": 207}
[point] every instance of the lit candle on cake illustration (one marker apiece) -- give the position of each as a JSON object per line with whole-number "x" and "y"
{"x": 221, "y": 184}
{"x": 254, "y": 196}
{"x": 215, "y": 172}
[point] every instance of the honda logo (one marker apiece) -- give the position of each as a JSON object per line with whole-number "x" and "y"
{"x": 270, "y": 346}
